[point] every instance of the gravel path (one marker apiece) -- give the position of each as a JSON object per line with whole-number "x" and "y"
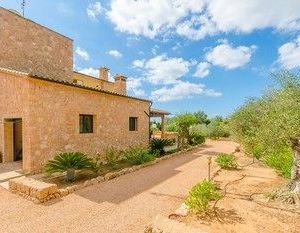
{"x": 125, "y": 204}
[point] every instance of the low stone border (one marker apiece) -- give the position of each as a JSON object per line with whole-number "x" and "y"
{"x": 30, "y": 194}
{"x": 33, "y": 190}
{"x": 112, "y": 175}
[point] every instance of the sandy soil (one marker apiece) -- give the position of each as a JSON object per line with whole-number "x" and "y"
{"x": 237, "y": 212}
{"x": 128, "y": 203}
{"x": 125, "y": 204}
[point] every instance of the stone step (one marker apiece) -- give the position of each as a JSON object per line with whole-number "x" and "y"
{"x": 6, "y": 176}
{"x": 5, "y": 185}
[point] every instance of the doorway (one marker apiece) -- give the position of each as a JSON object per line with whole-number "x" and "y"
{"x": 18, "y": 139}
{"x": 13, "y": 140}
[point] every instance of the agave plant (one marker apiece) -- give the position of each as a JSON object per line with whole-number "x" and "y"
{"x": 69, "y": 162}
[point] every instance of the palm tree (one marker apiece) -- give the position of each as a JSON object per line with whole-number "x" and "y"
{"x": 69, "y": 162}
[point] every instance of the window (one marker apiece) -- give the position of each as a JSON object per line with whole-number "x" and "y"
{"x": 133, "y": 123}
{"x": 86, "y": 123}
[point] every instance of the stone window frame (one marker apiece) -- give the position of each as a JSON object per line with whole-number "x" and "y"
{"x": 135, "y": 126}
{"x": 92, "y": 130}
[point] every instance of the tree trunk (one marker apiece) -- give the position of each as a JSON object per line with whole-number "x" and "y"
{"x": 295, "y": 172}
{"x": 70, "y": 176}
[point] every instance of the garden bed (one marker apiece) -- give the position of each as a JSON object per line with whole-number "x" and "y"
{"x": 87, "y": 178}
{"x": 81, "y": 176}
{"x": 245, "y": 206}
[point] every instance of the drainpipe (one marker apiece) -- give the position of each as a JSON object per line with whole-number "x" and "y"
{"x": 149, "y": 121}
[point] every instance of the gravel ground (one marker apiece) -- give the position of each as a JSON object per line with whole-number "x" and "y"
{"x": 237, "y": 214}
{"x": 125, "y": 204}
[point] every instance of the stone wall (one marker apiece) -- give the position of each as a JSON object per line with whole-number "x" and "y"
{"x": 29, "y": 47}
{"x": 34, "y": 190}
{"x": 93, "y": 82}
{"x": 54, "y": 120}
{"x": 50, "y": 114}
{"x": 13, "y": 104}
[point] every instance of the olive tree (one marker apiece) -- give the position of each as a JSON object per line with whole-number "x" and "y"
{"x": 272, "y": 122}
{"x": 182, "y": 123}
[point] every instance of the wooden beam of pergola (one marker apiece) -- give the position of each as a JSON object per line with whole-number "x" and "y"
{"x": 160, "y": 113}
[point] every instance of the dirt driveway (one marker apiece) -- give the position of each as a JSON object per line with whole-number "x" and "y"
{"x": 125, "y": 204}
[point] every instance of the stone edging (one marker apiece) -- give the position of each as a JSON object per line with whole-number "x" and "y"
{"x": 33, "y": 190}
{"x": 58, "y": 193}
{"x": 111, "y": 175}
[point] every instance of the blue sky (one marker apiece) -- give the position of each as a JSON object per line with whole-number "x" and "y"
{"x": 185, "y": 55}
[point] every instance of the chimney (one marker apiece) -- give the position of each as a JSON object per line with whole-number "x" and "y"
{"x": 103, "y": 73}
{"x": 120, "y": 84}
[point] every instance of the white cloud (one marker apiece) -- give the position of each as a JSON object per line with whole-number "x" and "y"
{"x": 82, "y": 53}
{"x": 289, "y": 54}
{"x": 182, "y": 90}
{"x": 225, "y": 55}
{"x": 134, "y": 85}
{"x": 93, "y": 72}
{"x": 196, "y": 28}
{"x": 196, "y": 19}
{"x": 202, "y": 69}
{"x": 150, "y": 18}
{"x": 154, "y": 49}
{"x": 115, "y": 53}
{"x": 89, "y": 71}
{"x": 176, "y": 47}
{"x": 165, "y": 70}
{"x": 246, "y": 16}
{"x": 94, "y": 10}
{"x": 138, "y": 63}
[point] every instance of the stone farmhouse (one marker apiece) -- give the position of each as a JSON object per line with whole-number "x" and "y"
{"x": 47, "y": 108}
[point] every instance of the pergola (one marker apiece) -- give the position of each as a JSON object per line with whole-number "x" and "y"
{"x": 160, "y": 113}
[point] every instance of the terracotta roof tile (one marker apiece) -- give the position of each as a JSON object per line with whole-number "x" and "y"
{"x": 5, "y": 70}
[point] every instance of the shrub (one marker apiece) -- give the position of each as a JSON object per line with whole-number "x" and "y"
{"x": 268, "y": 123}
{"x": 196, "y": 138}
{"x": 200, "y": 129}
{"x": 200, "y": 196}
{"x": 157, "y": 145}
{"x": 218, "y": 127}
{"x": 112, "y": 157}
{"x": 182, "y": 123}
{"x": 281, "y": 160}
{"x": 226, "y": 161}
{"x": 69, "y": 162}
{"x": 257, "y": 152}
{"x": 138, "y": 155}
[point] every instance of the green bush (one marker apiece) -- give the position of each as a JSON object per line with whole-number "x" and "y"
{"x": 181, "y": 123}
{"x": 200, "y": 129}
{"x": 218, "y": 127}
{"x": 257, "y": 152}
{"x": 265, "y": 126}
{"x": 196, "y": 139}
{"x": 226, "y": 161}
{"x": 200, "y": 196}
{"x": 69, "y": 162}
{"x": 112, "y": 156}
{"x": 157, "y": 145}
{"x": 138, "y": 155}
{"x": 281, "y": 160}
